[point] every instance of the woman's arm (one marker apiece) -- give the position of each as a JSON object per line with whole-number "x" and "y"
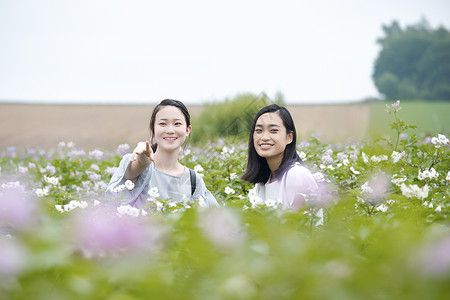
{"x": 143, "y": 156}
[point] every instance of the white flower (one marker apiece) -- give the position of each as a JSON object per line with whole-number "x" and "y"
{"x": 23, "y": 170}
{"x": 118, "y": 188}
{"x": 432, "y": 174}
{"x": 153, "y": 192}
{"x": 438, "y": 208}
{"x": 271, "y": 203}
{"x": 42, "y": 192}
{"x": 318, "y": 177}
{"x": 110, "y": 170}
{"x": 129, "y": 185}
{"x": 59, "y": 208}
{"x": 96, "y": 202}
{"x": 443, "y": 139}
{"x": 229, "y": 191}
{"x": 302, "y": 155}
{"x": 82, "y": 204}
{"x": 71, "y": 206}
{"x": 396, "y": 156}
{"x": 233, "y": 176}
{"x": 95, "y": 167}
{"x": 448, "y": 177}
{"x": 225, "y": 150}
{"x": 128, "y": 210}
{"x": 365, "y": 158}
{"x": 159, "y": 206}
{"x": 198, "y": 168}
{"x": 382, "y": 207}
{"x": 414, "y": 191}
{"x": 96, "y": 154}
{"x": 439, "y": 141}
{"x": 398, "y": 180}
{"x": 254, "y": 199}
{"x": 354, "y": 171}
{"x": 365, "y": 188}
{"x": 51, "y": 180}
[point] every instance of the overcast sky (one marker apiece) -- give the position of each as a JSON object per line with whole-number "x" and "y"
{"x": 197, "y": 50}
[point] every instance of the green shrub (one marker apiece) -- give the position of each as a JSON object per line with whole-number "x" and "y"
{"x": 231, "y": 118}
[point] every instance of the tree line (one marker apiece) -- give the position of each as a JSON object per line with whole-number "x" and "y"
{"x": 414, "y": 62}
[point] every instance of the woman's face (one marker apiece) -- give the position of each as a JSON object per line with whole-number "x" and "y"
{"x": 270, "y": 137}
{"x": 170, "y": 128}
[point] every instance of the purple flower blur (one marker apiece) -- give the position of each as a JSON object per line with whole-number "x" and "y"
{"x": 122, "y": 149}
{"x": 434, "y": 258}
{"x": 13, "y": 257}
{"x": 17, "y": 208}
{"x": 101, "y": 232}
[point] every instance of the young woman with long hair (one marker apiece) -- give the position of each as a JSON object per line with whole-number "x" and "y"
{"x": 273, "y": 163}
{"x": 156, "y": 165}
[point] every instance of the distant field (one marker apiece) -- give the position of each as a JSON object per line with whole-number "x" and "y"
{"x": 429, "y": 117}
{"x": 106, "y": 126}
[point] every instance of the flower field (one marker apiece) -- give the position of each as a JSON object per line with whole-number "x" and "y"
{"x": 377, "y": 229}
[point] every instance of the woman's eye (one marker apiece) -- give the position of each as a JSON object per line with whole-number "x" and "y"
{"x": 162, "y": 124}
{"x": 274, "y": 130}
{"x": 178, "y": 124}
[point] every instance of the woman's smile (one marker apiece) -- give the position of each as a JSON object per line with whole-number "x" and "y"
{"x": 265, "y": 146}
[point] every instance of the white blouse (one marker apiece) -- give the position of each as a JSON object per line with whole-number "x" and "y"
{"x": 290, "y": 188}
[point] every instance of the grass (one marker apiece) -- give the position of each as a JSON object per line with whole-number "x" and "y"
{"x": 430, "y": 117}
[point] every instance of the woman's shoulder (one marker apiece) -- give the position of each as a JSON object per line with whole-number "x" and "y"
{"x": 298, "y": 169}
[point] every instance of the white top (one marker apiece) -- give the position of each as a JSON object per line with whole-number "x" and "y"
{"x": 176, "y": 188}
{"x": 290, "y": 188}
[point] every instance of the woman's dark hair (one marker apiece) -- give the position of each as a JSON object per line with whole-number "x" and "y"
{"x": 258, "y": 170}
{"x": 168, "y": 102}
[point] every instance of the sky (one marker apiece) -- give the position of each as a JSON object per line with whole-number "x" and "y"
{"x": 137, "y": 51}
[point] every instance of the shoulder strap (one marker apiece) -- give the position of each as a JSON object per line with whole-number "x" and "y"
{"x": 193, "y": 181}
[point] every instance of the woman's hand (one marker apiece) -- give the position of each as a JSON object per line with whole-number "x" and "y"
{"x": 143, "y": 154}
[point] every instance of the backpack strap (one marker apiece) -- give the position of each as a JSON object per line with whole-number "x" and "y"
{"x": 193, "y": 181}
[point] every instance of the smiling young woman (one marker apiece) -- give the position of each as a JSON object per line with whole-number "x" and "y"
{"x": 273, "y": 163}
{"x": 156, "y": 165}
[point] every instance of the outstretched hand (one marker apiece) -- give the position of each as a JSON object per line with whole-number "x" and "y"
{"x": 143, "y": 153}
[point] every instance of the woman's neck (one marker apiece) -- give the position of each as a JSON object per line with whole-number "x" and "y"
{"x": 167, "y": 162}
{"x": 274, "y": 163}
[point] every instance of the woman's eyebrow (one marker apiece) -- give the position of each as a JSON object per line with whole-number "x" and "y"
{"x": 165, "y": 119}
{"x": 269, "y": 125}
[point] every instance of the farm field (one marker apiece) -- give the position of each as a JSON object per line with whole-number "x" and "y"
{"x": 106, "y": 126}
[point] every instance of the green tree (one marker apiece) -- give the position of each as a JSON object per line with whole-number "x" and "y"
{"x": 414, "y": 63}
